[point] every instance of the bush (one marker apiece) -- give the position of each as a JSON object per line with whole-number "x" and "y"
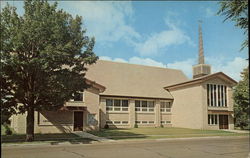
{"x": 106, "y": 126}
{"x": 135, "y": 126}
{"x": 162, "y": 126}
{"x": 8, "y": 131}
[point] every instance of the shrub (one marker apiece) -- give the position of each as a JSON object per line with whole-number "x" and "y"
{"x": 162, "y": 126}
{"x": 8, "y": 131}
{"x": 106, "y": 126}
{"x": 135, "y": 126}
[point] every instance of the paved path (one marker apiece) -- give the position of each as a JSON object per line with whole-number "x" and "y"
{"x": 91, "y": 136}
{"x": 229, "y": 147}
{"x": 237, "y": 131}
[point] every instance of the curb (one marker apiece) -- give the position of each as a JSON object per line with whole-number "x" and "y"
{"x": 124, "y": 141}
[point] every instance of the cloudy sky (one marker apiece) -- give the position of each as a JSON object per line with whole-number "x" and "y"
{"x": 163, "y": 34}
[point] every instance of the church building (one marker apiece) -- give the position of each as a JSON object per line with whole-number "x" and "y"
{"x": 126, "y": 95}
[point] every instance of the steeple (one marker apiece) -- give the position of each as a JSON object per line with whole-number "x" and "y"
{"x": 201, "y": 69}
{"x": 201, "y": 51}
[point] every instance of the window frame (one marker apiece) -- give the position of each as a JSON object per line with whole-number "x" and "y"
{"x": 117, "y": 105}
{"x": 144, "y": 106}
{"x": 165, "y": 106}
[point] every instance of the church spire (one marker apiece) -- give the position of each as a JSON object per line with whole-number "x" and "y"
{"x": 201, "y": 51}
{"x": 201, "y": 69}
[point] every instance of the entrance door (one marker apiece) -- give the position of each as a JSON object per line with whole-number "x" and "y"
{"x": 78, "y": 120}
{"x": 223, "y": 121}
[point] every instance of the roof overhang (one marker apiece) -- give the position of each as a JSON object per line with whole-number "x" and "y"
{"x": 138, "y": 97}
{"x": 93, "y": 84}
{"x": 202, "y": 79}
{"x": 72, "y": 108}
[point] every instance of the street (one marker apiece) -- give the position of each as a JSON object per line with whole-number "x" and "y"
{"x": 237, "y": 147}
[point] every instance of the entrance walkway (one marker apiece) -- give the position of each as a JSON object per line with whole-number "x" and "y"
{"x": 236, "y": 131}
{"x": 91, "y": 136}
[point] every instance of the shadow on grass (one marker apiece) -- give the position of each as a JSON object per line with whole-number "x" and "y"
{"x": 117, "y": 134}
{"x": 53, "y": 139}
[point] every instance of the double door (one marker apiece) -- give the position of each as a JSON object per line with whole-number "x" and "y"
{"x": 223, "y": 121}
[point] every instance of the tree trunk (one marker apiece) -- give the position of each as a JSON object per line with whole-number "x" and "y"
{"x": 30, "y": 125}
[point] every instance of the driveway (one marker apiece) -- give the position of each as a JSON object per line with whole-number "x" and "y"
{"x": 191, "y": 148}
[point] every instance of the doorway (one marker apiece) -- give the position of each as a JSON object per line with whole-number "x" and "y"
{"x": 78, "y": 120}
{"x": 223, "y": 121}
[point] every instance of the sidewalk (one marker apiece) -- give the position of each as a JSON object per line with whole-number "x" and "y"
{"x": 236, "y": 131}
{"x": 91, "y": 136}
{"x": 101, "y": 140}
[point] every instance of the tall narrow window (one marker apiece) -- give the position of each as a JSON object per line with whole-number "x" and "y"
{"x": 215, "y": 103}
{"x": 219, "y": 99}
{"x": 208, "y": 103}
{"x": 150, "y": 106}
{"x": 211, "y": 88}
{"x": 144, "y": 105}
{"x": 124, "y": 105}
{"x": 222, "y": 97}
{"x": 212, "y": 119}
{"x": 216, "y": 95}
{"x": 208, "y": 120}
{"x": 109, "y": 104}
{"x": 117, "y": 105}
{"x": 137, "y": 105}
{"x": 225, "y": 89}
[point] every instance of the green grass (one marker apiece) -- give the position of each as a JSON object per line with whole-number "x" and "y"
{"x": 53, "y": 138}
{"x": 154, "y": 133}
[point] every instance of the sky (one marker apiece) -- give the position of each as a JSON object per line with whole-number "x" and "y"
{"x": 160, "y": 33}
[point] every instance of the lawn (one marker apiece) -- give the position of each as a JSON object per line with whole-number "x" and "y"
{"x": 153, "y": 133}
{"x": 53, "y": 138}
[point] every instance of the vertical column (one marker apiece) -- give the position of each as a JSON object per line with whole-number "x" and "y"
{"x": 102, "y": 113}
{"x": 132, "y": 113}
{"x": 157, "y": 113}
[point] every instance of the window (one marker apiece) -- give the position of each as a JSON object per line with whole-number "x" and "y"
{"x": 216, "y": 95}
{"x": 117, "y": 122}
{"x": 165, "y": 107}
{"x": 212, "y": 119}
{"x": 78, "y": 96}
{"x": 151, "y": 122}
{"x": 124, "y": 105}
{"x": 137, "y": 105}
{"x": 219, "y": 95}
{"x": 124, "y": 122}
{"x": 208, "y": 89}
{"x": 109, "y": 122}
{"x": 144, "y": 122}
{"x": 165, "y": 122}
{"x": 109, "y": 104}
{"x": 225, "y": 91}
{"x": 144, "y": 106}
{"x": 137, "y": 122}
{"x": 116, "y": 105}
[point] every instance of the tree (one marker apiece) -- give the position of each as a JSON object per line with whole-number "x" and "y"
{"x": 237, "y": 11}
{"x": 241, "y": 99}
{"x": 43, "y": 57}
